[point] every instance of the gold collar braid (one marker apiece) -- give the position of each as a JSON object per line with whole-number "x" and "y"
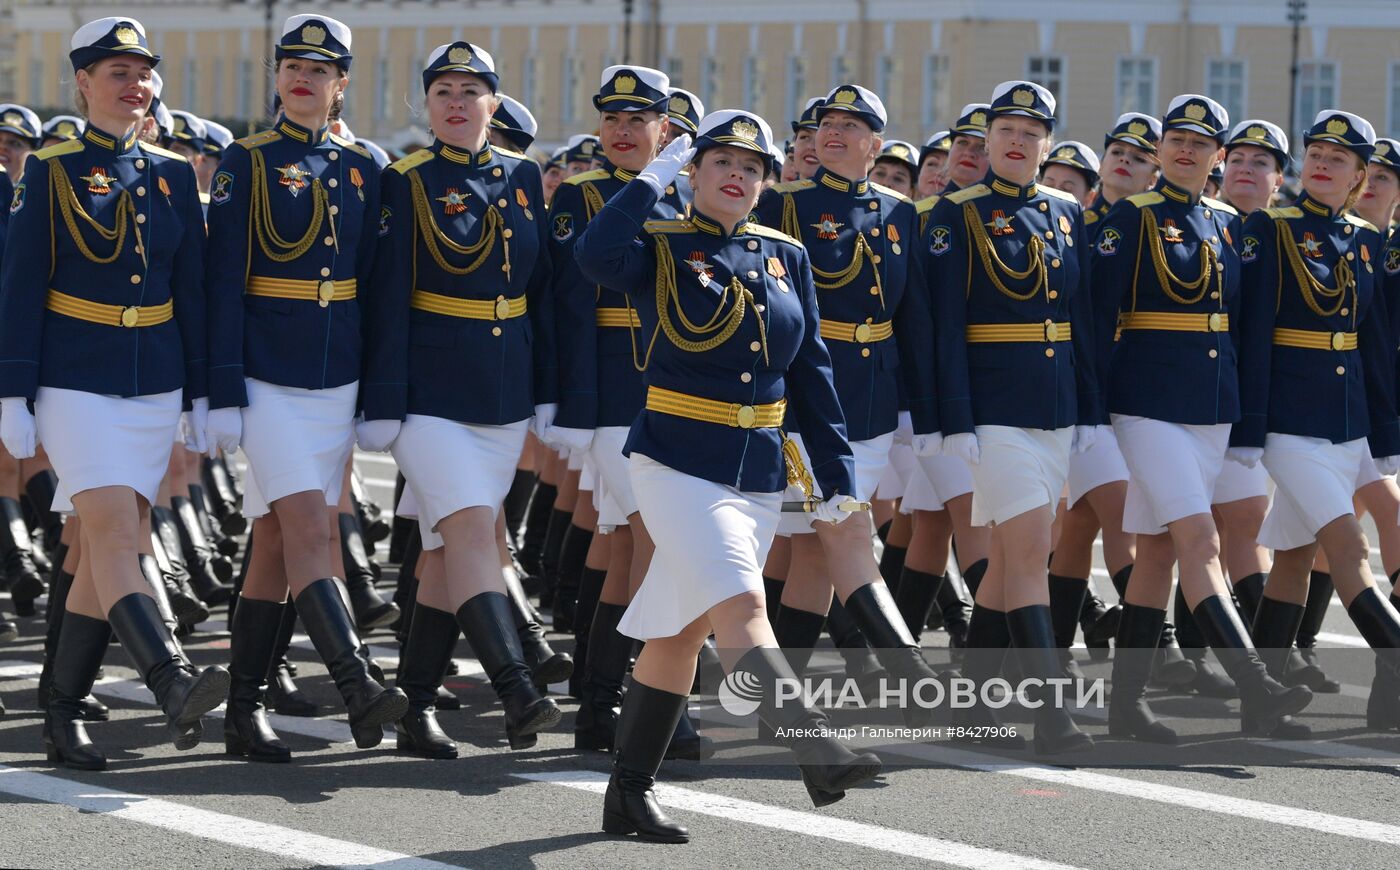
{"x": 1308, "y": 285}
{"x": 274, "y": 247}
{"x": 1035, "y": 254}
{"x": 61, "y": 188}
{"x": 433, "y": 236}
{"x": 1168, "y": 279}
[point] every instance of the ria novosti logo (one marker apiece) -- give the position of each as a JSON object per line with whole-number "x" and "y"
{"x": 740, "y": 693}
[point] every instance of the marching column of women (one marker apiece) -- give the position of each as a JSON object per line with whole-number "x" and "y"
{"x": 681, "y": 382}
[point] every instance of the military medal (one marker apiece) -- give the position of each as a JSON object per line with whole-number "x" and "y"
{"x": 359, "y": 181}
{"x": 99, "y": 181}
{"x": 524, "y": 202}
{"x": 826, "y": 228}
{"x": 697, "y": 264}
{"x": 293, "y": 178}
{"x": 164, "y": 188}
{"x": 1169, "y": 231}
{"x": 1000, "y": 224}
{"x": 893, "y": 233}
{"x": 776, "y": 269}
{"x": 1312, "y": 248}
{"x": 1064, "y": 225}
{"x": 453, "y": 202}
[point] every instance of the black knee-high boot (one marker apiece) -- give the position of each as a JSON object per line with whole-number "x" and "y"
{"x": 988, "y": 638}
{"x": 531, "y": 539}
{"x": 546, "y": 665}
{"x": 183, "y": 691}
{"x": 573, "y": 554}
{"x": 1319, "y": 598}
{"x": 828, "y": 768}
{"x": 556, "y": 530}
{"x": 254, "y": 637}
{"x": 432, "y": 636}
{"x": 89, "y": 708}
{"x": 489, "y": 624}
{"x": 184, "y": 601}
{"x": 1097, "y": 620}
{"x": 1066, "y": 604}
{"x": 1209, "y": 680}
{"x": 325, "y": 611}
{"x": 643, "y": 732}
{"x": 605, "y": 669}
{"x": 862, "y": 664}
{"x": 1034, "y": 638}
{"x": 1139, "y": 629}
{"x": 797, "y": 632}
{"x": 21, "y": 575}
{"x": 401, "y": 527}
{"x": 406, "y": 585}
{"x": 1383, "y": 705}
{"x": 223, "y": 496}
{"x": 590, "y": 587}
{"x": 972, "y": 577}
{"x": 916, "y": 593}
{"x": 226, "y": 545}
{"x": 1173, "y": 668}
{"x": 875, "y": 613}
{"x": 282, "y": 692}
{"x": 1379, "y": 623}
{"x": 80, "y": 647}
{"x": 949, "y": 602}
{"x": 1261, "y": 696}
{"x": 517, "y": 502}
{"x": 1275, "y": 625}
{"x": 892, "y": 566}
{"x": 370, "y": 609}
{"x": 40, "y": 489}
{"x": 199, "y": 557}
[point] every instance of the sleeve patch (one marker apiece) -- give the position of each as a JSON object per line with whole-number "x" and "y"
{"x": 563, "y": 227}
{"x": 223, "y": 187}
{"x": 940, "y": 241}
{"x": 1392, "y": 257}
{"x": 384, "y": 214}
{"x": 17, "y": 201}
{"x": 1249, "y": 249}
{"x": 1108, "y": 242}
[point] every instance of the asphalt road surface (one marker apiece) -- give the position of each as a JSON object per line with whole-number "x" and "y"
{"x": 1217, "y": 801}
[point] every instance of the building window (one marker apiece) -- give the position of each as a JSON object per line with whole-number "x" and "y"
{"x": 797, "y": 95}
{"x": 709, "y": 82}
{"x": 1392, "y": 125}
{"x": 383, "y": 94}
{"x": 753, "y": 83}
{"x": 189, "y": 82}
{"x": 935, "y": 110}
{"x": 527, "y": 81}
{"x": 1137, "y": 84}
{"x": 840, "y": 70}
{"x": 243, "y": 89}
{"x": 1317, "y": 90}
{"x": 1048, "y": 71}
{"x": 36, "y": 82}
{"x": 673, "y": 68}
{"x": 218, "y": 84}
{"x": 568, "y": 89}
{"x": 886, "y": 87}
{"x": 1226, "y": 83}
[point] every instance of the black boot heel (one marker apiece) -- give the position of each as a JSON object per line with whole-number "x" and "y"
{"x": 643, "y": 732}
{"x": 538, "y": 716}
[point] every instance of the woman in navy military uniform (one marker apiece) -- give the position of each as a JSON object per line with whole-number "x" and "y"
{"x": 1166, "y": 272}
{"x": 932, "y": 158}
{"x": 1016, "y": 385}
{"x": 1129, "y": 164}
{"x": 463, "y": 297}
{"x": 734, "y": 309}
{"x": 804, "y": 140}
{"x": 293, "y": 217}
{"x": 895, "y": 167}
{"x": 874, "y": 317}
{"x": 1072, "y": 167}
{"x": 1317, "y": 376}
{"x": 103, "y": 318}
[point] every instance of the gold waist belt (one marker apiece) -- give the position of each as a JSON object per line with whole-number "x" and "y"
{"x": 473, "y": 309}
{"x": 323, "y": 292}
{"x": 619, "y": 317}
{"x": 836, "y": 330}
{"x": 983, "y": 333}
{"x": 109, "y": 315}
{"x": 1168, "y": 322}
{"x": 676, "y": 404}
{"x": 1314, "y": 340}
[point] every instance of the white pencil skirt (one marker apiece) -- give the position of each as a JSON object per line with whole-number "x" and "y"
{"x": 1099, "y": 465}
{"x": 1172, "y": 470}
{"x": 1315, "y": 480}
{"x": 1019, "y": 471}
{"x": 1237, "y": 482}
{"x": 612, "y": 484}
{"x": 296, "y": 440}
{"x": 711, "y": 543}
{"x": 452, "y": 466}
{"x": 95, "y": 441}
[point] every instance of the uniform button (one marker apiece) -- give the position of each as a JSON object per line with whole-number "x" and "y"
{"x": 325, "y": 271}
{"x": 1351, "y": 255}
{"x": 1053, "y": 294}
{"x": 329, "y": 240}
{"x": 334, "y": 155}
{"x": 1345, "y": 312}
{"x": 1207, "y": 212}
{"x": 140, "y": 164}
{"x": 1049, "y": 352}
{"x": 136, "y": 279}
{"x": 1347, "y": 229}
{"x": 332, "y": 183}
{"x": 1213, "y": 353}
{"x": 140, "y": 191}
{"x": 875, "y": 259}
{"x": 865, "y": 351}
{"x": 1215, "y": 294}
{"x": 874, "y": 291}
{"x": 502, "y": 202}
{"x": 875, "y": 231}
{"x": 140, "y": 219}
{"x": 761, "y": 308}
{"x": 746, "y": 377}
{"x": 495, "y": 330}
{"x": 753, "y": 246}
{"x": 1341, "y": 370}
{"x": 335, "y": 209}
{"x": 1049, "y": 234}
{"x": 1215, "y": 240}
{"x": 755, "y": 346}
{"x": 1045, "y": 206}
{"x": 670, "y": 188}
{"x": 874, "y": 206}
{"x": 1055, "y": 263}
{"x": 496, "y": 172}
{"x": 505, "y": 234}
{"x": 753, "y": 274}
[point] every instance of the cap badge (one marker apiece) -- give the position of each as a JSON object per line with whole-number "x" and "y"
{"x": 127, "y": 36}
{"x": 624, "y": 84}
{"x": 978, "y": 119}
{"x": 14, "y": 119}
{"x": 1137, "y": 128}
{"x": 67, "y": 128}
{"x": 313, "y": 35}
{"x": 680, "y": 105}
{"x": 1337, "y": 127}
{"x": 1023, "y": 97}
{"x": 1195, "y": 111}
{"x": 1065, "y": 154}
{"x": 745, "y": 130}
{"x": 845, "y": 96}
{"x": 1256, "y": 133}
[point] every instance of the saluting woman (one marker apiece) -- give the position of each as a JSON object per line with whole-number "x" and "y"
{"x": 1165, "y": 269}
{"x": 102, "y": 316}
{"x": 459, "y": 359}
{"x": 293, "y": 217}
{"x": 734, "y": 309}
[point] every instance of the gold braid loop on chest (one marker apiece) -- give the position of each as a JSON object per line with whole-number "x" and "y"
{"x": 718, "y": 329}
{"x": 274, "y": 247}
{"x": 434, "y": 239}
{"x": 1035, "y": 270}
{"x": 1168, "y": 279}
{"x": 1308, "y": 286}
{"x": 61, "y": 188}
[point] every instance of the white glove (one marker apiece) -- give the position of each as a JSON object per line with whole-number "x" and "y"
{"x": 17, "y": 429}
{"x": 828, "y": 512}
{"x": 1388, "y": 465}
{"x": 664, "y": 168}
{"x": 1246, "y": 456}
{"x": 193, "y": 424}
{"x": 964, "y": 446}
{"x": 904, "y": 429}
{"x": 376, "y": 435}
{"x": 225, "y": 428}
{"x": 1083, "y": 438}
{"x": 928, "y": 445}
{"x": 563, "y": 438}
{"x": 543, "y": 419}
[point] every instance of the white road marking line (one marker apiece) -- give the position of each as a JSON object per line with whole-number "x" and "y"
{"x": 206, "y": 824}
{"x": 1331, "y": 749}
{"x": 1341, "y": 639}
{"x": 1176, "y": 796}
{"x": 888, "y": 840}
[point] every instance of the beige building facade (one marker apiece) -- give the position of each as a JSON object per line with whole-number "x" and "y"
{"x": 925, "y": 57}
